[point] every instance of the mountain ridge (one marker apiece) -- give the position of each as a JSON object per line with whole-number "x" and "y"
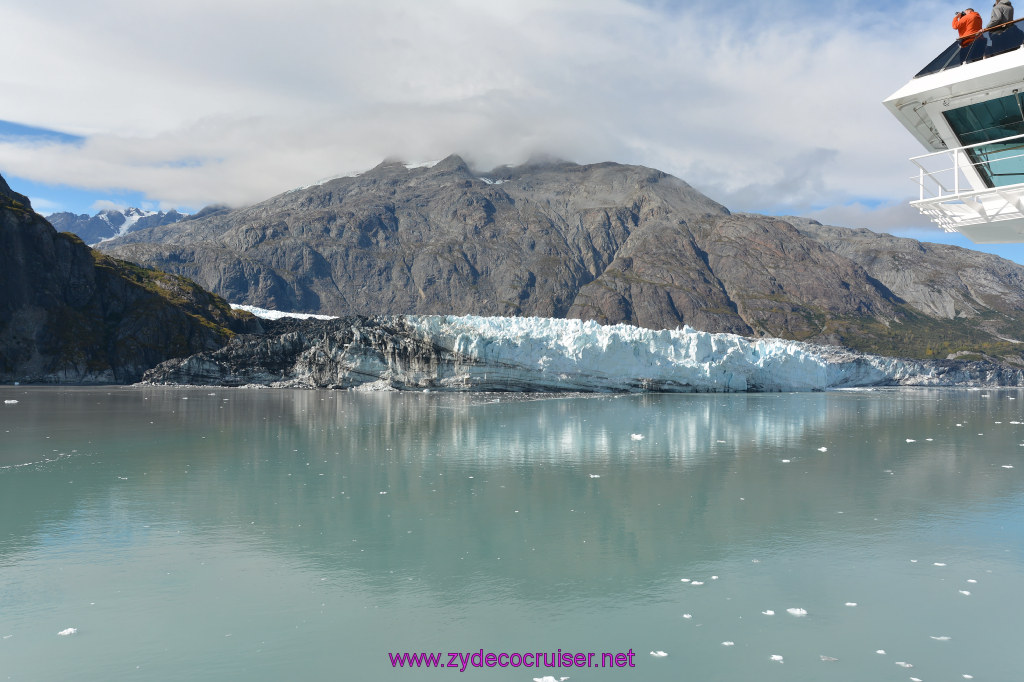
{"x": 606, "y": 242}
{"x": 70, "y": 314}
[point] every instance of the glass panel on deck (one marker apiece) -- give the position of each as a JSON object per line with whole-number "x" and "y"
{"x": 998, "y": 163}
{"x": 988, "y": 44}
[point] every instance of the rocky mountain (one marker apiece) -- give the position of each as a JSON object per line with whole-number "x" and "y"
{"x": 71, "y": 314}
{"x": 111, "y": 223}
{"x": 604, "y": 242}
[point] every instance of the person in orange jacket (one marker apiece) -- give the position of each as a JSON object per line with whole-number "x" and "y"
{"x": 967, "y": 23}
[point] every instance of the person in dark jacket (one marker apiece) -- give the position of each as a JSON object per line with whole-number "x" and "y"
{"x": 1002, "y": 13}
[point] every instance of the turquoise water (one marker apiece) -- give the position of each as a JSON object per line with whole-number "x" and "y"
{"x": 200, "y": 534}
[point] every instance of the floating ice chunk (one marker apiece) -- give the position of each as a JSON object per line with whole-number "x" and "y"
{"x": 776, "y": 658}
{"x": 965, "y": 593}
{"x": 10, "y": 402}
{"x": 904, "y": 664}
{"x": 797, "y": 612}
{"x": 941, "y": 638}
{"x": 828, "y": 659}
{"x": 851, "y": 603}
{"x": 769, "y": 612}
{"x": 636, "y": 436}
{"x": 659, "y": 654}
{"x": 822, "y": 449}
{"x": 728, "y": 643}
{"x": 67, "y": 631}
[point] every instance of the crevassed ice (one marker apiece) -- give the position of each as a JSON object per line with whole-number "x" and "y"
{"x": 568, "y": 353}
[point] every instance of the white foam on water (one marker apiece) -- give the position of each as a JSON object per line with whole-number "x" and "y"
{"x": 727, "y": 643}
{"x": 941, "y": 638}
{"x": 697, "y": 582}
{"x": 965, "y": 593}
{"x": 822, "y": 449}
{"x": 881, "y": 652}
{"x": 687, "y": 616}
{"x": 10, "y": 402}
{"x": 684, "y": 580}
{"x": 595, "y": 475}
{"x": 659, "y": 654}
{"x": 776, "y": 658}
{"x": 67, "y": 631}
{"x": 786, "y": 461}
{"x": 636, "y": 436}
{"x": 938, "y": 563}
{"x": 769, "y": 612}
{"x": 904, "y": 664}
{"x": 851, "y": 603}
{"x": 797, "y": 611}
{"x": 911, "y": 440}
{"x": 972, "y": 580}
{"x": 1007, "y": 466}
{"x": 828, "y": 659}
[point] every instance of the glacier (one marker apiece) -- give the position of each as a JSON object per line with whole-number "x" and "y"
{"x": 438, "y": 352}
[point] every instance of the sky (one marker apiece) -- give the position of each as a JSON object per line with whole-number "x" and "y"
{"x": 765, "y": 107}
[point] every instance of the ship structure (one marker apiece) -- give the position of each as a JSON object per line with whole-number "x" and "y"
{"x": 967, "y": 108}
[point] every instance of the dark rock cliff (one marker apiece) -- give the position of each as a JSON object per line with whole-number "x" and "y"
{"x": 603, "y": 242}
{"x": 71, "y": 314}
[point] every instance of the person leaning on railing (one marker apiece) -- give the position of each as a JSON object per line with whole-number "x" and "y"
{"x": 1002, "y": 13}
{"x": 967, "y": 23}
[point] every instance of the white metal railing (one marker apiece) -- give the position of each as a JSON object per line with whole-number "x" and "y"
{"x": 950, "y": 173}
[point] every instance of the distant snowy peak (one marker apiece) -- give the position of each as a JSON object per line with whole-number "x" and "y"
{"x": 111, "y": 223}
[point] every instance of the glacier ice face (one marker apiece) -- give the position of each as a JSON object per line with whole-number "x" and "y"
{"x": 543, "y": 354}
{"x": 584, "y": 355}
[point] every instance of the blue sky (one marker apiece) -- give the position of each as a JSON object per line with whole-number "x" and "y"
{"x": 765, "y": 107}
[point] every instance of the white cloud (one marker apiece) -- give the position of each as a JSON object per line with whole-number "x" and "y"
{"x": 764, "y": 107}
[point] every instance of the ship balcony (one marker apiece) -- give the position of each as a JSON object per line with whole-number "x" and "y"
{"x": 977, "y": 190}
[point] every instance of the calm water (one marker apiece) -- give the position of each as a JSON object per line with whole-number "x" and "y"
{"x": 192, "y": 534}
